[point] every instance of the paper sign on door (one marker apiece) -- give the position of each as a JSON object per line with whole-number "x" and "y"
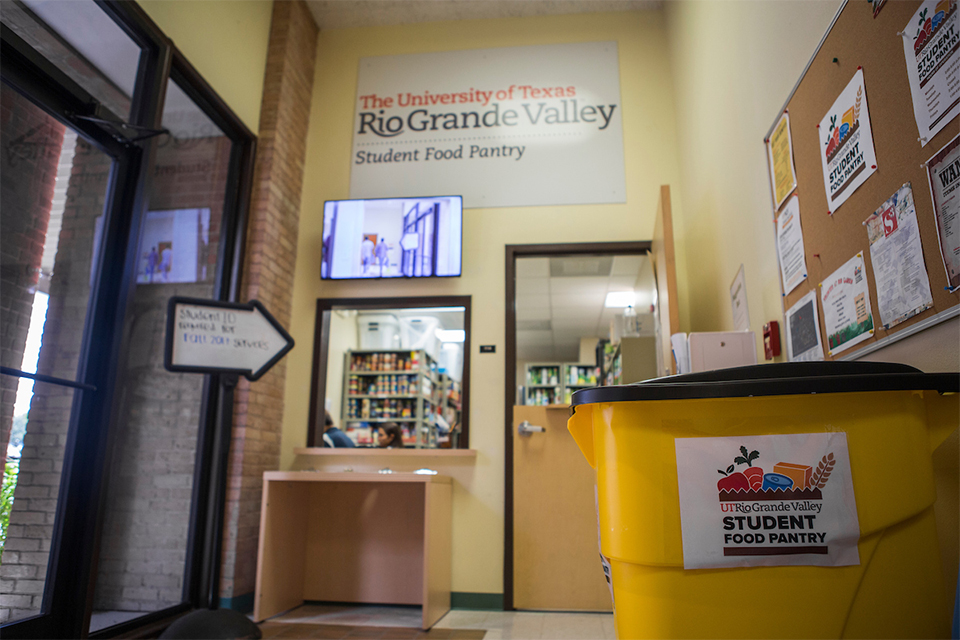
{"x": 767, "y": 501}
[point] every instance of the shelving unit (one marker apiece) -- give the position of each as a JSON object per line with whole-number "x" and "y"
{"x": 550, "y": 383}
{"x": 451, "y": 407}
{"x": 612, "y": 372}
{"x": 577, "y": 376}
{"x": 390, "y": 385}
{"x": 544, "y": 385}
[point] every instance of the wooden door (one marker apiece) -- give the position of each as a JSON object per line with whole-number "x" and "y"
{"x": 665, "y": 270}
{"x": 556, "y": 558}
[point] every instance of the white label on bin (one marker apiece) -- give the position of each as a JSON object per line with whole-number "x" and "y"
{"x": 766, "y": 501}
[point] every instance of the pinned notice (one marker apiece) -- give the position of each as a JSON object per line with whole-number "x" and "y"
{"x": 209, "y": 336}
{"x": 846, "y": 143}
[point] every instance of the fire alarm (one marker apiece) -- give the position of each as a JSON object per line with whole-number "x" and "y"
{"x": 771, "y": 340}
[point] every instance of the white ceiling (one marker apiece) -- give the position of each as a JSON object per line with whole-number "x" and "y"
{"x": 339, "y": 14}
{"x": 556, "y": 310}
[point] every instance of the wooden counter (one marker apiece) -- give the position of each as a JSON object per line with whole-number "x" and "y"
{"x": 376, "y": 452}
{"x": 354, "y": 537}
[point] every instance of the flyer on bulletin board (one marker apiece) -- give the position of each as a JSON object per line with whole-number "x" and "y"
{"x": 846, "y": 144}
{"x": 846, "y": 306}
{"x": 783, "y": 174}
{"x": 943, "y": 172}
{"x": 931, "y": 44}
{"x": 793, "y": 263}
{"x": 803, "y": 330}
{"x": 903, "y": 288}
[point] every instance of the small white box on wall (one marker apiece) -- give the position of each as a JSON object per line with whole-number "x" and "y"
{"x": 722, "y": 350}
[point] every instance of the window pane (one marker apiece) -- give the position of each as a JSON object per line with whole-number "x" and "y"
{"x": 83, "y": 42}
{"x": 144, "y": 543}
{"x": 52, "y": 186}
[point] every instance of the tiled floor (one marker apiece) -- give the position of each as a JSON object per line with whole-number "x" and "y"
{"x": 530, "y": 625}
{"x": 336, "y": 621}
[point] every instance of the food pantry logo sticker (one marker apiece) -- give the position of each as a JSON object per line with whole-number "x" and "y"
{"x": 779, "y": 500}
{"x": 846, "y": 144}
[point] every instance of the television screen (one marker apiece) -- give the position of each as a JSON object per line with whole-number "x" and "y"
{"x": 392, "y": 238}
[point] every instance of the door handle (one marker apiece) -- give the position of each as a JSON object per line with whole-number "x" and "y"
{"x": 525, "y": 428}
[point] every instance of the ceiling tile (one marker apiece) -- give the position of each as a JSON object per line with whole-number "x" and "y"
{"x": 577, "y": 285}
{"x": 622, "y": 283}
{"x": 592, "y": 299}
{"x": 533, "y": 268}
{"x": 535, "y": 337}
{"x": 533, "y": 286}
{"x": 627, "y": 265}
{"x": 540, "y": 313}
{"x": 533, "y": 302}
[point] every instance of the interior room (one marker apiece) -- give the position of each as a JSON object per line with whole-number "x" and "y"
{"x": 336, "y": 318}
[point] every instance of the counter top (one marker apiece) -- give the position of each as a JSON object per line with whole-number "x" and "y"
{"x": 351, "y": 476}
{"x": 364, "y": 451}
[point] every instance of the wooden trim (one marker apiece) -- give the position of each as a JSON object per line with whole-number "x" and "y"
{"x": 437, "y": 552}
{"x": 386, "y": 453}
{"x": 321, "y": 341}
{"x": 513, "y": 251}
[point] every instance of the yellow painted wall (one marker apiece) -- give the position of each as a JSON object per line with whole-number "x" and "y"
{"x": 226, "y": 42}
{"x": 651, "y": 160}
{"x": 734, "y": 64}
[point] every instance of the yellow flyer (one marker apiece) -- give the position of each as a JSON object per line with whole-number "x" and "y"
{"x": 783, "y": 175}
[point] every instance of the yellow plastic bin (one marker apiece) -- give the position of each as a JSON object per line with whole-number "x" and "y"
{"x": 891, "y": 418}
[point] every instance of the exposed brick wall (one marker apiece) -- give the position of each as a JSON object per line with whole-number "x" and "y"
{"x": 31, "y": 142}
{"x": 268, "y": 277}
{"x": 143, "y": 548}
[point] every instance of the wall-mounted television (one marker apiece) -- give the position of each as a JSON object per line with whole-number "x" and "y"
{"x": 392, "y": 238}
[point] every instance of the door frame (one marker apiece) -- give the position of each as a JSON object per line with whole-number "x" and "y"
{"x": 514, "y": 251}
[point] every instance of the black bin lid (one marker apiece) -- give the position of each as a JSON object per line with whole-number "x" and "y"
{"x": 781, "y": 379}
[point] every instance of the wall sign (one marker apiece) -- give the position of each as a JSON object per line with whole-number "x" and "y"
{"x": 209, "y": 336}
{"x": 519, "y": 126}
{"x": 777, "y": 500}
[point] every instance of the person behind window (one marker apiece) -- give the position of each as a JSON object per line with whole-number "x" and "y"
{"x": 390, "y": 436}
{"x": 333, "y": 437}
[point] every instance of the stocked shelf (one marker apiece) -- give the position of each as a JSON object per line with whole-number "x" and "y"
{"x": 390, "y": 385}
{"x": 553, "y": 383}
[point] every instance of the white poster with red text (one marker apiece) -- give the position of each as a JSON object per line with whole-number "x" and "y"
{"x": 519, "y": 126}
{"x": 771, "y": 500}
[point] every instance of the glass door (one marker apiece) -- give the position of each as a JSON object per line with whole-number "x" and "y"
{"x": 123, "y": 178}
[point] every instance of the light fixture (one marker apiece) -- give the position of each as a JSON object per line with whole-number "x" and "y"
{"x": 451, "y": 335}
{"x": 620, "y": 299}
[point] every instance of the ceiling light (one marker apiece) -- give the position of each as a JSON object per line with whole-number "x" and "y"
{"x": 451, "y": 335}
{"x": 620, "y": 299}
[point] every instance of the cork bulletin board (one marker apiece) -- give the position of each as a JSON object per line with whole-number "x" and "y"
{"x": 856, "y": 40}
